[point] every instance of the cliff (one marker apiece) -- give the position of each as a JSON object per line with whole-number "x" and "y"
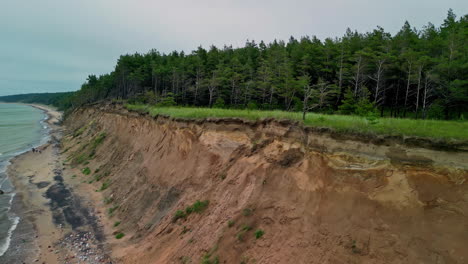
{"x": 268, "y": 191}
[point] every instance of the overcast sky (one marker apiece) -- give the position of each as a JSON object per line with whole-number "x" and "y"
{"x": 53, "y": 45}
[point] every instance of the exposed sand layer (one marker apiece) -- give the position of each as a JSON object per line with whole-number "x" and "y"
{"x": 318, "y": 199}
{"x": 55, "y": 226}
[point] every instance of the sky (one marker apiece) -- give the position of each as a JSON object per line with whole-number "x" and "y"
{"x": 53, "y": 45}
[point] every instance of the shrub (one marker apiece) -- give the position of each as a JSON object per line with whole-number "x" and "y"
{"x": 79, "y": 131}
{"x": 252, "y": 106}
{"x": 98, "y": 140}
{"x": 200, "y": 206}
{"x": 167, "y": 100}
{"x": 108, "y": 200}
{"x": 240, "y": 235}
{"x": 119, "y": 235}
{"x": 231, "y": 223}
{"x": 207, "y": 259}
{"x": 104, "y": 186}
{"x": 219, "y": 103}
{"x": 86, "y": 171}
{"x": 259, "y": 233}
{"x": 179, "y": 214}
{"x": 116, "y": 224}
{"x": 197, "y": 207}
{"x": 80, "y": 159}
{"x": 98, "y": 177}
{"x": 247, "y": 212}
{"x": 246, "y": 228}
{"x": 112, "y": 209}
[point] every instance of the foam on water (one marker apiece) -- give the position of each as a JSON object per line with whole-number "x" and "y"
{"x": 22, "y": 128}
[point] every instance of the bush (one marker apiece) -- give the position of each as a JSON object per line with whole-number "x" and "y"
{"x": 197, "y": 207}
{"x": 104, "y": 186}
{"x": 116, "y": 224}
{"x": 436, "y": 111}
{"x": 259, "y": 233}
{"x": 119, "y": 235}
{"x": 167, "y": 100}
{"x": 178, "y": 215}
{"x": 219, "y": 103}
{"x": 247, "y": 212}
{"x": 246, "y": 228}
{"x": 86, "y": 171}
{"x": 252, "y": 106}
{"x": 231, "y": 223}
{"x": 108, "y": 200}
{"x": 112, "y": 209}
{"x": 365, "y": 108}
{"x": 348, "y": 104}
{"x": 207, "y": 259}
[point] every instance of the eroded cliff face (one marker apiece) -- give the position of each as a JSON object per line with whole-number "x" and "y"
{"x": 318, "y": 199}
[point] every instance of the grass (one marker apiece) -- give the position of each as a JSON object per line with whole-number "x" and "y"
{"x": 435, "y": 129}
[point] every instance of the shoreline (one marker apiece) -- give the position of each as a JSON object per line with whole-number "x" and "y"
{"x": 23, "y": 246}
{"x": 53, "y": 222}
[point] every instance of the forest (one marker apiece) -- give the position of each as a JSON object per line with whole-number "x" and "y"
{"x": 416, "y": 73}
{"x": 60, "y": 100}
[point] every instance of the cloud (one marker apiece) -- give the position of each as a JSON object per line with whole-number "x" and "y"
{"x": 52, "y": 45}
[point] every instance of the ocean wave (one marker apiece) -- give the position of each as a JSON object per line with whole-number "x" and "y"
{"x": 3, "y": 248}
{"x": 6, "y": 157}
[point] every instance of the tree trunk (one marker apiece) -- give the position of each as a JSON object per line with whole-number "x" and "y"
{"x": 407, "y": 88}
{"x": 417, "y": 90}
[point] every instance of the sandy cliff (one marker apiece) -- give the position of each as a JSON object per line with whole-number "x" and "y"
{"x": 318, "y": 198}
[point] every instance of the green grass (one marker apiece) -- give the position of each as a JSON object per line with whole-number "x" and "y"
{"x": 435, "y": 129}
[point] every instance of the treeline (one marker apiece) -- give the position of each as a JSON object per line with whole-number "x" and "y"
{"x": 415, "y": 73}
{"x": 62, "y": 101}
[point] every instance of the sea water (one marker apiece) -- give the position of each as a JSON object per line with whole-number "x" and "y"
{"x": 22, "y": 127}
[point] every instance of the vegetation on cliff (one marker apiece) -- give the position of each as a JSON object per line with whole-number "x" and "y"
{"x": 435, "y": 129}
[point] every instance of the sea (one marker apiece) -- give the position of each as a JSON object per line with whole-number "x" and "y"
{"x": 22, "y": 127}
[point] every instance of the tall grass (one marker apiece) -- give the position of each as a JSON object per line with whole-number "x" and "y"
{"x": 435, "y": 129}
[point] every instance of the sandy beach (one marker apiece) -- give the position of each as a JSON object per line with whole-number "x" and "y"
{"x": 55, "y": 226}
